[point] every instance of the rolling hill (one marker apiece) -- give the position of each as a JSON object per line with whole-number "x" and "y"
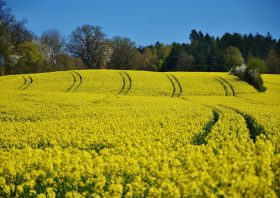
{"x": 113, "y": 133}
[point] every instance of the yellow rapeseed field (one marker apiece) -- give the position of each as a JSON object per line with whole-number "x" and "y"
{"x": 113, "y": 133}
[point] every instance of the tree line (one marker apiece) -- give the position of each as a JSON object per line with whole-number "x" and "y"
{"x": 21, "y": 51}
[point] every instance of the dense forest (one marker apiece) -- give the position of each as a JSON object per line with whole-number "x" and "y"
{"x": 21, "y": 51}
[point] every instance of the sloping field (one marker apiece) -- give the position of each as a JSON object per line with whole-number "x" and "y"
{"x": 110, "y": 133}
{"x": 130, "y": 83}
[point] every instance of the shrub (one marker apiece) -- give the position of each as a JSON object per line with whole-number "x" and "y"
{"x": 250, "y": 75}
{"x": 239, "y": 71}
{"x": 253, "y": 77}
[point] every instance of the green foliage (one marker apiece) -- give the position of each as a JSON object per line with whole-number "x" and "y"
{"x": 12, "y": 34}
{"x": 89, "y": 43}
{"x": 5, "y": 44}
{"x": 155, "y": 56}
{"x": 273, "y": 62}
{"x": 149, "y": 59}
{"x": 29, "y": 53}
{"x": 67, "y": 62}
{"x": 256, "y": 63}
{"x": 185, "y": 62}
{"x": 162, "y": 52}
{"x": 253, "y": 77}
{"x": 124, "y": 53}
{"x": 51, "y": 44}
{"x": 233, "y": 57}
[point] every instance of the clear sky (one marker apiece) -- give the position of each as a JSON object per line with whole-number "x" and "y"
{"x": 148, "y": 21}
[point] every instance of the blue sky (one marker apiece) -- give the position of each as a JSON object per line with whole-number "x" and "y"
{"x": 148, "y": 21}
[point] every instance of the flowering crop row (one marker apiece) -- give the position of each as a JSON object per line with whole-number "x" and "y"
{"x": 142, "y": 83}
{"x": 61, "y": 144}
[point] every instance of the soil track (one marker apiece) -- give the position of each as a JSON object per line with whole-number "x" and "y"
{"x": 27, "y": 82}
{"x": 225, "y": 81}
{"x": 77, "y": 81}
{"x": 254, "y": 128}
{"x": 177, "y": 88}
{"x": 127, "y": 83}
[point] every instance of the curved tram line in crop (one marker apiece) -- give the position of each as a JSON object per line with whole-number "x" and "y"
{"x": 27, "y": 82}
{"x": 254, "y": 128}
{"x": 173, "y": 91}
{"x": 177, "y": 88}
{"x": 179, "y": 85}
{"x": 226, "y": 84}
{"x": 77, "y": 81}
{"x": 127, "y": 83}
{"x": 223, "y": 84}
{"x": 251, "y": 125}
{"x": 229, "y": 88}
{"x": 200, "y": 138}
{"x": 24, "y": 83}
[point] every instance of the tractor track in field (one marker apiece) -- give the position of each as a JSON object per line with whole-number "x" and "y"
{"x": 123, "y": 84}
{"x": 80, "y": 80}
{"x": 77, "y": 81}
{"x": 179, "y": 85}
{"x": 200, "y": 138}
{"x": 24, "y": 83}
{"x": 73, "y": 82}
{"x": 222, "y": 83}
{"x": 130, "y": 83}
{"x": 127, "y": 83}
{"x": 173, "y": 91}
{"x": 254, "y": 128}
{"x": 175, "y": 83}
{"x": 225, "y": 81}
{"x": 27, "y": 82}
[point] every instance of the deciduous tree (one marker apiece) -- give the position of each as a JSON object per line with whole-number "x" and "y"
{"x": 89, "y": 43}
{"x": 29, "y": 53}
{"x": 233, "y": 57}
{"x": 185, "y": 62}
{"x": 273, "y": 62}
{"x": 51, "y": 44}
{"x": 256, "y": 64}
{"x": 124, "y": 53}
